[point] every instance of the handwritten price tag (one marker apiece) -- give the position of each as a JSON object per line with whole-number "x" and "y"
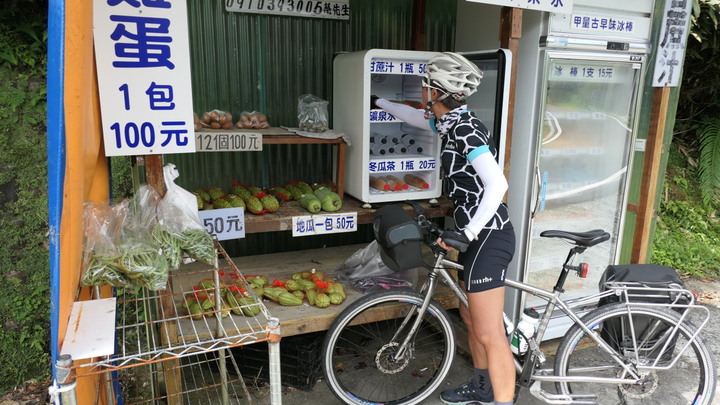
{"x": 225, "y": 223}
{"x": 321, "y": 224}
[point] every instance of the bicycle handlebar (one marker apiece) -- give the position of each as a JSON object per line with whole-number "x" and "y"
{"x": 454, "y": 239}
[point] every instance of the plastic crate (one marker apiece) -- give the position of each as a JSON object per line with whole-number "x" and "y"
{"x": 300, "y": 363}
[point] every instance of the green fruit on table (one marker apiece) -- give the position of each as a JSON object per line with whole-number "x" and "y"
{"x": 270, "y": 203}
{"x": 254, "y": 205}
{"x": 330, "y": 200}
{"x": 311, "y": 203}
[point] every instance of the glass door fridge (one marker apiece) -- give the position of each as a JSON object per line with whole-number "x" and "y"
{"x": 585, "y": 144}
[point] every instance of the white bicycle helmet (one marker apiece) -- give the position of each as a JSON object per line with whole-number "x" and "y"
{"x": 454, "y": 74}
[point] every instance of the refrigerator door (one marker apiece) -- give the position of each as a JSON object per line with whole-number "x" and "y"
{"x": 584, "y": 151}
{"x": 490, "y": 101}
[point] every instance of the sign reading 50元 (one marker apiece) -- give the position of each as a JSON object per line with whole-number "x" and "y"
{"x": 143, "y": 64}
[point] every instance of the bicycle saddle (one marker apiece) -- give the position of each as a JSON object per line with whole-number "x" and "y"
{"x": 587, "y": 239}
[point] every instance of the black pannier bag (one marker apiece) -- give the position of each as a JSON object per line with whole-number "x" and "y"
{"x": 399, "y": 237}
{"x": 618, "y": 334}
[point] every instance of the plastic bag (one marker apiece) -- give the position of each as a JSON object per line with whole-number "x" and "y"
{"x": 312, "y": 113}
{"x": 253, "y": 120}
{"x": 178, "y": 225}
{"x": 366, "y": 272}
{"x": 217, "y": 119}
{"x": 118, "y": 249}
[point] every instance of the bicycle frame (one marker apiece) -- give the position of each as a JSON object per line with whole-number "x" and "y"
{"x": 527, "y": 368}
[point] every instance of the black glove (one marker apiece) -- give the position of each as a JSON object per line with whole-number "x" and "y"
{"x": 373, "y": 99}
{"x": 456, "y": 240}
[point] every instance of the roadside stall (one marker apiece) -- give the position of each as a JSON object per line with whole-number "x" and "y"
{"x": 258, "y": 165}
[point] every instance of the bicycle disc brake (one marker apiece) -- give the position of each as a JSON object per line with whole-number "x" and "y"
{"x": 388, "y": 363}
{"x": 647, "y": 386}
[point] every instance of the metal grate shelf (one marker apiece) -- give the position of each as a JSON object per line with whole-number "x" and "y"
{"x": 153, "y": 326}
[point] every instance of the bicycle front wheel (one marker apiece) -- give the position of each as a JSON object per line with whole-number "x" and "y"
{"x": 361, "y": 361}
{"x": 643, "y": 338}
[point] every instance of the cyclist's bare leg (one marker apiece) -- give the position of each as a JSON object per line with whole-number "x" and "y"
{"x": 487, "y": 330}
{"x": 476, "y": 349}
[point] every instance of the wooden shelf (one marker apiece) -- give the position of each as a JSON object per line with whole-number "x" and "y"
{"x": 282, "y": 219}
{"x": 281, "y": 136}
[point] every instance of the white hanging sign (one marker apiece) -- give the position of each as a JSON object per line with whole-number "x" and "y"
{"x": 336, "y": 9}
{"x": 143, "y": 63}
{"x": 320, "y": 224}
{"x": 225, "y": 223}
{"x": 554, "y": 6}
{"x": 672, "y": 42}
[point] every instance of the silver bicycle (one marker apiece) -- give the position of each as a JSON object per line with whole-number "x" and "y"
{"x": 396, "y": 346}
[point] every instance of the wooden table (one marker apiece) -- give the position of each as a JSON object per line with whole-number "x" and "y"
{"x": 296, "y": 320}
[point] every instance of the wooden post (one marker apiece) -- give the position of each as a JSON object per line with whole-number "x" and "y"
{"x": 168, "y": 330}
{"x": 418, "y": 34}
{"x": 650, "y": 175}
{"x": 510, "y": 33}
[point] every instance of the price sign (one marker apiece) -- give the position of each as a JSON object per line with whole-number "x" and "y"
{"x": 227, "y": 141}
{"x": 324, "y": 223}
{"x": 336, "y": 9}
{"x": 225, "y": 223}
{"x": 143, "y": 65}
{"x": 394, "y": 165}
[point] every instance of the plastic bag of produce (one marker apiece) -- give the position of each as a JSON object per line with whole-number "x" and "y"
{"x": 179, "y": 224}
{"x": 312, "y": 113}
{"x": 118, "y": 249}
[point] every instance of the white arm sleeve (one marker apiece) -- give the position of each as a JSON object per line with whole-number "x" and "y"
{"x": 495, "y": 186}
{"x": 406, "y": 113}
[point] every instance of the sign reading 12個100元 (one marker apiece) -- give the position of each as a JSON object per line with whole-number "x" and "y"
{"x": 143, "y": 63}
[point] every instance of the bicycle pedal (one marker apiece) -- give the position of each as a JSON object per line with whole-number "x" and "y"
{"x": 571, "y": 399}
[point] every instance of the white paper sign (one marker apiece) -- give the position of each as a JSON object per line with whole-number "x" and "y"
{"x": 672, "y": 43}
{"x": 225, "y": 223}
{"x": 321, "y": 224}
{"x": 335, "y": 9}
{"x": 224, "y": 141}
{"x": 143, "y": 63}
{"x": 554, "y": 6}
{"x": 401, "y": 164}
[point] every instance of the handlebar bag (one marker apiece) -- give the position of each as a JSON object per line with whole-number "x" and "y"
{"x": 645, "y": 277}
{"x": 399, "y": 236}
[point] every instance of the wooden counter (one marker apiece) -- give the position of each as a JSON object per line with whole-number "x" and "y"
{"x": 282, "y": 219}
{"x": 295, "y": 320}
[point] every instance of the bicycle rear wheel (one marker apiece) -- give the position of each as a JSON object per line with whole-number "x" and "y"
{"x": 360, "y": 362}
{"x": 691, "y": 380}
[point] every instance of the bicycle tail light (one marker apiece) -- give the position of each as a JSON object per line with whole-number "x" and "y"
{"x": 583, "y": 271}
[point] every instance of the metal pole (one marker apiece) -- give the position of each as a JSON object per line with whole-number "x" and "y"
{"x": 274, "y": 360}
{"x": 66, "y": 379}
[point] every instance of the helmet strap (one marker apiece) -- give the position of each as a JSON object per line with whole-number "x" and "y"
{"x": 428, "y": 107}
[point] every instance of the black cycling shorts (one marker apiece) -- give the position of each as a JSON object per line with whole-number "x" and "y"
{"x": 486, "y": 260}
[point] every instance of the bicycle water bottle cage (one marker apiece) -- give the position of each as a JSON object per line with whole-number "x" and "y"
{"x": 399, "y": 237}
{"x": 584, "y": 239}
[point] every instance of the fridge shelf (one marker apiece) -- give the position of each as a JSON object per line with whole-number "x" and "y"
{"x": 154, "y": 326}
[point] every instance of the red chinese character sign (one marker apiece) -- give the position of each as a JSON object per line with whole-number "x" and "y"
{"x": 553, "y": 6}
{"x": 143, "y": 64}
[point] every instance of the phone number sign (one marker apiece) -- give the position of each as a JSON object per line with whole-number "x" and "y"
{"x": 336, "y": 9}
{"x": 324, "y": 223}
{"x": 225, "y": 223}
{"x": 143, "y": 63}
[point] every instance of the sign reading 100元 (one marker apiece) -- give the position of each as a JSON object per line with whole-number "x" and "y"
{"x": 143, "y": 64}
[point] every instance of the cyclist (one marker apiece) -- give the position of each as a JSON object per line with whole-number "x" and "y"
{"x": 476, "y": 185}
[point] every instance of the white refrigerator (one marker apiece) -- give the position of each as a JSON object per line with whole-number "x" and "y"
{"x": 574, "y": 139}
{"x": 388, "y": 160}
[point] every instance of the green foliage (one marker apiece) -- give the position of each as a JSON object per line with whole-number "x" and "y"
{"x": 687, "y": 237}
{"x": 710, "y": 159}
{"x": 25, "y": 302}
